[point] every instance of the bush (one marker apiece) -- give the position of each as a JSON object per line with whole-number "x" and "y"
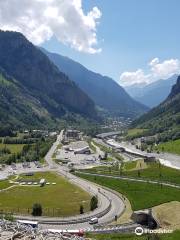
{"x": 9, "y": 217}
{"x": 93, "y": 203}
{"x": 37, "y": 209}
{"x": 81, "y": 209}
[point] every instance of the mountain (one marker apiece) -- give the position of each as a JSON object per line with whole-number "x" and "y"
{"x": 164, "y": 118}
{"x": 18, "y": 107}
{"x": 104, "y": 91}
{"x": 135, "y": 89}
{"x": 40, "y": 80}
{"x": 152, "y": 94}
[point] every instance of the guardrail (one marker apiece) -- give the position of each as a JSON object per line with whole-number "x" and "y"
{"x": 76, "y": 220}
{"x": 114, "y": 192}
{"x": 127, "y": 227}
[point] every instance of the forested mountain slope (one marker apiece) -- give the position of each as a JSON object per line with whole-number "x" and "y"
{"x": 51, "y": 89}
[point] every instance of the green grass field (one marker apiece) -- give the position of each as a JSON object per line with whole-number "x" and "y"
{"x": 171, "y": 147}
{"x": 140, "y": 195}
{"x": 117, "y": 236}
{"x": 4, "y": 184}
{"x": 130, "y": 165}
{"x": 154, "y": 171}
{"x": 14, "y": 148}
{"x": 133, "y": 132}
{"x": 62, "y": 199}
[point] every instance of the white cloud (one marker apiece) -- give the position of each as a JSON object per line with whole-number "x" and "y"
{"x": 154, "y": 61}
{"x": 165, "y": 69}
{"x": 130, "y": 78}
{"x": 158, "y": 70}
{"x": 39, "y": 20}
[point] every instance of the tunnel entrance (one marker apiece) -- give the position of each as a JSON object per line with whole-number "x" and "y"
{"x": 145, "y": 219}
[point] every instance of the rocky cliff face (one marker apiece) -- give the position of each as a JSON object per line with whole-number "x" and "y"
{"x": 175, "y": 89}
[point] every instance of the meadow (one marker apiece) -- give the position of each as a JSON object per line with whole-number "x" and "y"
{"x": 153, "y": 171}
{"x": 141, "y": 195}
{"x": 170, "y": 146}
{"x": 63, "y": 199}
{"x": 14, "y": 148}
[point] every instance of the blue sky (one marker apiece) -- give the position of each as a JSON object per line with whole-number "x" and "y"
{"x": 131, "y": 33}
{"x": 139, "y": 38}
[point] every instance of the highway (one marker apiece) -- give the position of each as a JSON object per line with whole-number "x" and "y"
{"x": 167, "y": 159}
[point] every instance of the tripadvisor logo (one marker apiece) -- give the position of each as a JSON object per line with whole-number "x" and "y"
{"x": 139, "y": 231}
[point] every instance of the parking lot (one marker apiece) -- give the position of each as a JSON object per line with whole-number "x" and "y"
{"x": 18, "y": 168}
{"x": 67, "y": 154}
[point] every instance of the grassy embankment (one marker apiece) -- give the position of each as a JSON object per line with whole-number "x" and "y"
{"x": 139, "y": 169}
{"x": 141, "y": 195}
{"x": 135, "y": 132}
{"x": 170, "y": 146}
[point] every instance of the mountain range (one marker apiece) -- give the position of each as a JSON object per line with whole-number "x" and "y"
{"x": 108, "y": 95}
{"x": 164, "y": 118}
{"x": 33, "y": 88}
{"x": 152, "y": 94}
{"x": 39, "y": 88}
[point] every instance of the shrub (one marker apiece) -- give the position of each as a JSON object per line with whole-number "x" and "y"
{"x": 37, "y": 209}
{"x": 81, "y": 209}
{"x": 93, "y": 203}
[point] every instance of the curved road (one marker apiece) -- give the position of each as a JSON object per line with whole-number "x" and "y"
{"x": 107, "y": 198}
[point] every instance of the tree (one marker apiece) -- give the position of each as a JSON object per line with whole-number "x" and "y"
{"x": 37, "y": 209}
{"x": 93, "y": 203}
{"x": 81, "y": 209}
{"x": 105, "y": 155}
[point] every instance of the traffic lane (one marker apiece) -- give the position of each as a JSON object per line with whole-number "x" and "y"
{"x": 117, "y": 208}
{"x": 117, "y": 203}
